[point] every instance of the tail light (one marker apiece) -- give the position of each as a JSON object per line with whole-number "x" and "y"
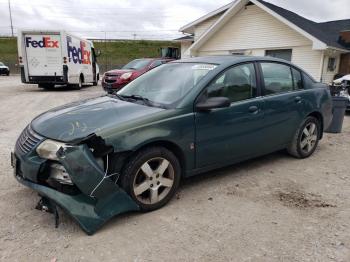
{"x": 20, "y": 60}
{"x": 65, "y": 60}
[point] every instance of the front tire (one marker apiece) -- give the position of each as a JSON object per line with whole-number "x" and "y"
{"x": 306, "y": 138}
{"x": 79, "y": 85}
{"x": 151, "y": 177}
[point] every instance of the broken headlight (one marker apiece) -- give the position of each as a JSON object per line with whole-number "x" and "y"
{"x": 48, "y": 149}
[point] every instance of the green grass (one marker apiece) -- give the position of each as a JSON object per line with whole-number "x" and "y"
{"x": 8, "y": 52}
{"x": 113, "y": 54}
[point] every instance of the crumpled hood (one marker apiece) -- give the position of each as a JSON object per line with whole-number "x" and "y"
{"x": 80, "y": 119}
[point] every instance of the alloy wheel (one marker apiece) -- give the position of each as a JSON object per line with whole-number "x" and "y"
{"x": 154, "y": 180}
{"x": 308, "y": 138}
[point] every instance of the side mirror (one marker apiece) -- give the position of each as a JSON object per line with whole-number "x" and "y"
{"x": 212, "y": 103}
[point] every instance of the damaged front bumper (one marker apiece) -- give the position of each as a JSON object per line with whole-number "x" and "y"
{"x": 98, "y": 198}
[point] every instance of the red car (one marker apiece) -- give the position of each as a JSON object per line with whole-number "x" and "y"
{"x": 116, "y": 79}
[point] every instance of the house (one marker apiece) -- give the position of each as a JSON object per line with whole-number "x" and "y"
{"x": 260, "y": 28}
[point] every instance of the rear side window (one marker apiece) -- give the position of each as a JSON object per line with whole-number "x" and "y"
{"x": 297, "y": 80}
{"x": 277, "y": 78}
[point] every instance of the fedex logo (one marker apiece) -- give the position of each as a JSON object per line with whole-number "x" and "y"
{"x": 45, "y": 43}
{"x": 78, "y": 55}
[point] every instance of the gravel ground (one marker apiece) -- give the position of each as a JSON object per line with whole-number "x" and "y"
{"x": 274, "y": 208}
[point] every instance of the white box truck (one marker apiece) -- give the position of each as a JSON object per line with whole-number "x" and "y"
{"x": 50, "y": 58}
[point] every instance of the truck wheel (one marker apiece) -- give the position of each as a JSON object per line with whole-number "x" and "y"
{"x": 8, "y": 73}
{"x": 96, "y": 82}
{"x": 79, "y": 85}
{"x": 151, "y": 177}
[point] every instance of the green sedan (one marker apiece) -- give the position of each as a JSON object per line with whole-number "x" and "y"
{"x": 129, "y": 150}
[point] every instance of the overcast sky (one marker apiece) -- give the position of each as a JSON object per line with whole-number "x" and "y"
{"x": 140, "y": 19}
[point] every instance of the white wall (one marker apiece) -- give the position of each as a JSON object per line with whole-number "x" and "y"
{"x": 254, "y": 30}
{"x": 184, "y": 47}
{"x": 308, "y": 59}
{"x": 199, "y": 29}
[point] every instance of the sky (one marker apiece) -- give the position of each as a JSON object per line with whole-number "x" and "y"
{"x": 138, "y": 19}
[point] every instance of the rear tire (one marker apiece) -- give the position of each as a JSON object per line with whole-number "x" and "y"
{"x": 306, "y": 138}
{"x": 151, "y": 177}
{"x": 96, "y": 82}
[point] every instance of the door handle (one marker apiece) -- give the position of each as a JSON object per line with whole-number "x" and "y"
{"x": 253, "y": 109}
{"x": 297, "y": 99}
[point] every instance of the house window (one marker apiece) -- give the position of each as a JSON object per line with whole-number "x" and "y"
{"x": 331, "y": 64}
{"x": 238, "y": 52}
{"x": 285, "y": 54}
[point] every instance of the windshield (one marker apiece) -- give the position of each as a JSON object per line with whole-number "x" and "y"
{"x": 168, "y": 83}
{"x": 137, "y": 64}
{"x": 1, "y": 64}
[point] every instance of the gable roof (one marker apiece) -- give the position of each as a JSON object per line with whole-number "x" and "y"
{"x": 189, "y": 28}
{"x": 322, "y": 34}
{"x": 327, "y": 32}
{"x": 186, "y": 38}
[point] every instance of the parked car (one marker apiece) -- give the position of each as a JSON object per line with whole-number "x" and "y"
{"x": 128, "y": 151}
{"x": 4, "y": 70}
{"x": 116, "y": 79}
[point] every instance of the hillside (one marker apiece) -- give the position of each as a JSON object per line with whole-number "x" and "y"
{"x": 114, "y": 54}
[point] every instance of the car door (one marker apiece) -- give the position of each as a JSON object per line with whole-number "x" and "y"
{"x": 282, "y": 105}
{"x": 226, "y": 134}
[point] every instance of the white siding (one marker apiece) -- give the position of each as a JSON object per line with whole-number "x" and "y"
{"x": 209, "y": 53}
{"x": 308, "y": 59}
{"x": 204, "y": 26}
{"x": 184, "y": 48}
{"x": 302, "y": 56}
{"x": 253, "y": 28}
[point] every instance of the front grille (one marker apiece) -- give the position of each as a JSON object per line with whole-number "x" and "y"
{"x": 27, "y": 140}
{"x": 110, "y": 80}
{"x": 112, "y": 74}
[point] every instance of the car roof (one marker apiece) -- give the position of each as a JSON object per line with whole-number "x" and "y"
{"x": 229, "y": 59}
{"x": 154, "y": 58}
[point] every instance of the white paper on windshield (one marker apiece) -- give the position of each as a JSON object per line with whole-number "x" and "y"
{"x": 203, "y": 67}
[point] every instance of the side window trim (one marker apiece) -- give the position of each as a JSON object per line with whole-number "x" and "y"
{"x": 301, "y": 77}
{"x": 262, "y": 82}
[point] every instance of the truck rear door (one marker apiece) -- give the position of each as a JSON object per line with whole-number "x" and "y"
{"x": 44, "y": 54}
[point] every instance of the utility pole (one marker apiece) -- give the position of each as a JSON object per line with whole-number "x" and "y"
{"x": 134, "y": 35}
{"x": 106, "y": 55}
{"x": 10, "y": 18}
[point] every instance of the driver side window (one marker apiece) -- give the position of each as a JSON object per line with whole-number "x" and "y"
{"x": 236, "y": 83}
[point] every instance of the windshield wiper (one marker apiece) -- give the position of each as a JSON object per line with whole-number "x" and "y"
{"x": 118, "y": 96}
{"x": 145, "y": 100}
